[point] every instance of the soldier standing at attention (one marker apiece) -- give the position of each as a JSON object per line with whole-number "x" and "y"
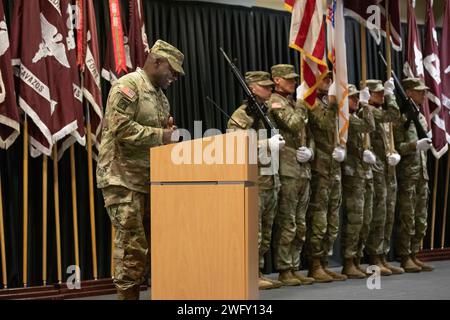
{"x": 412, "y": 183}
{"x": 357, "y": 184}
{"x": 295, "y": 174}
{"x": 268, "y": 181}
{"x": 323, "y": 212}
{"x": 385, "y": 111}
{"x": 137, "y": 118}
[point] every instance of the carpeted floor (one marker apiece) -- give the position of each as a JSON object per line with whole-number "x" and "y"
{"x": 423, "y": 286}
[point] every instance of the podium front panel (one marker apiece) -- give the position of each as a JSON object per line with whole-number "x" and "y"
{"x": 204, "y": 241}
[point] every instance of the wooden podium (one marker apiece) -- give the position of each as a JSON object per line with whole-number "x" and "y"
{"x": 204, "y": 220}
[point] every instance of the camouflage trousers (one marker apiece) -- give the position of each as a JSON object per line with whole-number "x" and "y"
{"x": 323, "y": 216}
{"x": 127, "y": 210}
{"x": 268, "y": 202}
{"x": 413, "y": 210}
{"x": 384, "y": 199}
{"x": 391, "y": 201}
{"x": 290, "y": 222}
{"x": 358, "y": 203}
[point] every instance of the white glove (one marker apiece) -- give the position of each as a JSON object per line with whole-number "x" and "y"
{"x": 369, "y": 157}
{"x": 304, "y": 154}
{"x": 339, "y": 154}
{"x": 277, "y": 142}
{"x": 301, "y": 90}
{"x": 332, "y": 90}
{"x": 389, "y": 87}
{"x": 424, "y": 144}
{"x": 393, "y": 159}
{"x": 364, "y": 95}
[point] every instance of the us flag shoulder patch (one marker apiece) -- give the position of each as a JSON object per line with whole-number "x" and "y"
{"x": 276, "y": 105}
{"x": 128, "y": 93}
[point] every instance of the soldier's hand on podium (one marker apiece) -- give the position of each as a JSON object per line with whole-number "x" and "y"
{"x": 277, "y": 142}
{"x": 171, "y": 133}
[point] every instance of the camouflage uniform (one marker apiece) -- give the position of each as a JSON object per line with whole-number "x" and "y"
{"x": 413, "y": 187}
{"x": 268, "y": 180}
{"x": 384, "y": 180}
{"x": 295, "y": 191}
{"x": 323, "y": 212}
{"x": 136, "y": 114}
{"x": 357, "y": 185}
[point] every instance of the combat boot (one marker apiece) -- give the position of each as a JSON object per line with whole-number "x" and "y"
{"x": 394, "y": 269}
{"x": 357, "y": 262}
{"x": 375, "y": 260}
{"x": 351, "y": 271}
{"x": 316, "y": 271}
{"x": 288, "y": 279}
{"x": 335, "y": 276}
{"x": 423, "y": 266}
{"x": 264, "y": 285}
{"x": 276, "y": 283}
{"x": 408, "y": 265}
{"x": 303, "y": 279}
{"x": 129, "y": 294}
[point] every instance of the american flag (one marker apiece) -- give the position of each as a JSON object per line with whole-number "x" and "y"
{"x": 308, "y": 36}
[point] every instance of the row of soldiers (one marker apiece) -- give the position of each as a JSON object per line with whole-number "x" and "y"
{"x": 382, "y": 165}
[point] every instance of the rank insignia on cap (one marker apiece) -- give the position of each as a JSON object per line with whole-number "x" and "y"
{"x": 128, "y": 93}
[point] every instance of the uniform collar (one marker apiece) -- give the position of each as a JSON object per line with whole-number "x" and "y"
{"x": 150, "y": 86}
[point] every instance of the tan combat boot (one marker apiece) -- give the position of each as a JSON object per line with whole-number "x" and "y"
{"x": 425, "y": 267}
{"x": 265, "y": 285}
{"x": 408, "y": 265}
{"x": 288, "y": 279}
{"x": 351, "y": 271}
{"x": 335, "y": 276}
{"x": 303, "y": 279}
{"x": 316, "y": 271}
{"x": 357, "y": 262}
{"x": 275, "y": 283}
{"x": 375, "y": 260}
{"x": 129, "y": 294}
{"x": 394, "y": 269}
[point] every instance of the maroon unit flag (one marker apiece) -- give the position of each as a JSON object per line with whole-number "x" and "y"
{"x": 445, "y": 68}
{"x": 432, "y": 72}
{"x": 372, "y": 13}
{"x": 137, "y": 37}
{"x": 89, "y": 62}
{"x": 9, "y": 113}
{"x": 45, "y": 89}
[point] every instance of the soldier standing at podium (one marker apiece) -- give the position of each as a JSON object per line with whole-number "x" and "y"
{"x": 295, "y": 174}
{"x": 268, "y": 182}
{"x": 137, "y": 118}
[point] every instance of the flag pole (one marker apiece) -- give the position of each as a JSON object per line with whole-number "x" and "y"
{"x": 25, "y": 202}
{"x": 74, "y": 204}
{"x": 364, "y": 72}
{"x": 389, "y": 69}
{"x": 2, "y": 240}
{"x": 433, "y": 208}
{"x": 91, "y": 192}
{"x": 44, "y": 217}
{"x": 444, "y": 214}
{"x": 57, "y": 222}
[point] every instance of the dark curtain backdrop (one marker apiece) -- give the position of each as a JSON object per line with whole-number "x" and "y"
{"x": 257, "y": 38}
